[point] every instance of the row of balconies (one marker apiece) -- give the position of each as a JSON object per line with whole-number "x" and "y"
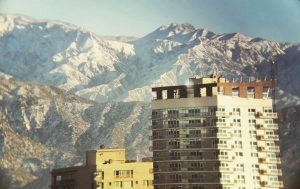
{"x": 202, "y": 147}
{"x": 178, "y": 126}
{"x": 192, "y": 158}
{"x": 268, "y": 115}
{"x": 182, "y": 115}
{"x": 192, "y": 146}
{"x": 226, "y": 114}
{"x": 272, "y": 126}
{"x": 192, "y": 136}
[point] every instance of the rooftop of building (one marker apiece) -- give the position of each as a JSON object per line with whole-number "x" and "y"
{"x": 215, "y": 85}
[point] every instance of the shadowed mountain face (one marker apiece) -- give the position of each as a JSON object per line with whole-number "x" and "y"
{"x": 44, "y": 127}
{"x": 107, "y": 88}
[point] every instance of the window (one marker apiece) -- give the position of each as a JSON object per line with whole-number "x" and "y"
{"x": 238, "y": 133}
{"x": 176, "y": 93}
{"x": 175, "y": 178}
{"x": 250, "y": 92}
{"x": 175, "y": 187}
{"x": 173, "y": 124}
{"x": 164, "y": 94}
{"x": 127, "y": 184}
{"x": 123, "y": 173}
{"x": 198, "y": 187}
{"x": 154, "y": 95}
{"x": 147, "y": 182}
{"x": 173, "y": 112}
{"x": 238, "y": 144}
{"x": 239, "y": 154}
{"x": 196, "y": 166}
{"x": 237, "y": 122}
{"x": 118, "y": 184}
{"x": 268, "y": 121}
{"x": 58, "y": 178}
{"x": 195, "y": 155}
{"x": 235, "y": 91}
{"x": 251, "y": 112}
{"x": 174, "y": 155}
{"x": 268, "y": 110}
{"x": 267, "y": 92}
{"x": 236, "y": 111}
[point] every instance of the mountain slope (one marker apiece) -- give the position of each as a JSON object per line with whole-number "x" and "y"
{"x": 44, "y": 127}
{"x": 66, "y": 56}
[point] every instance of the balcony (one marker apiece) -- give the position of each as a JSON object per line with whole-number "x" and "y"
{"x": 278, "y": 184}
{"x": 267, "y": 126}
{"x": 223, "y": 157}
{"x": 222, "y": 114}
{"x": 277, "y": 172}
{"x": 270, "y": 115}
{"x": 268, "y": 137}
{"x": 235, "y": 124}
{"x": 196, "y": 180}
{"x": 274, "y": 160}
{"x": 225, "y": 169}
{"x": 224, "y": 135}
{"x": 226, "y": 181}
{"x": 174, "y": 169}
{"x": 263, "y": 183}
{"x": 221, "y": 124}
{"x": 262, "y": 171}
{"x": 262, "y": 160}
{"x": 273, "y": 148}
{"x": 272, "y": 126}
{"x": 273, "y": 137}
{"x": 224, "y": 146}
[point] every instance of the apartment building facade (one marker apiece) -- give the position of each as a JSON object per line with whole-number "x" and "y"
{"x": 215, "y": 134}
{"x": 105, "y": 169}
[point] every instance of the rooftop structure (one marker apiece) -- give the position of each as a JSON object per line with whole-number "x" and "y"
{"x": 215, "y": 134}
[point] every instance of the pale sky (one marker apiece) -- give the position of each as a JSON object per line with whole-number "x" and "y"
{"x": 277, "y": 20}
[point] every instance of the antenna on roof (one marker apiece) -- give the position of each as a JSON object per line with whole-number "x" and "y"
{"x": 274, "y": 69}
{"x": 215, "y": 70}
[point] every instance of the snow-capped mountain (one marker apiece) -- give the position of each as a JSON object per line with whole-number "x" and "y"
{"x": 69, "y": 57}
{"x": 53, "y": 126}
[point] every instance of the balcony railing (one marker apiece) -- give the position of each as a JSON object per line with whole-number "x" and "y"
{"x": 222, "y": 114}
{"x": 271, "y": 115}
{"x": 273, "y": 126}
{"x": 182, "y": 115}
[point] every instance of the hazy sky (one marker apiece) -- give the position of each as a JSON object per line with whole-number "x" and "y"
{"x": 271, "y": 19}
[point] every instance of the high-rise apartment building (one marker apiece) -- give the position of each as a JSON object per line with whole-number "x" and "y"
{"x": 215, "y": 134}
{"x": 105, "y": 169}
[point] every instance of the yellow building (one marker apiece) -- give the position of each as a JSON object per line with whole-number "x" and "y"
{"x": 105, "y": 169}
